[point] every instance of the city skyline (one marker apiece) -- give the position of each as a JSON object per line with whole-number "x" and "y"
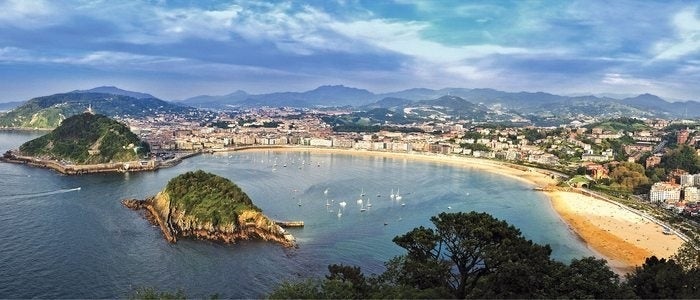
{"x": 176, "y": 50}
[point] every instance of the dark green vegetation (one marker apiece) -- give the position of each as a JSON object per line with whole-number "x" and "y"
{"x": 49, "y": 111}
{"x": 208, "y": 197}
{"x": 683, "y": 157}
{"x": 109, "y": 140}
{"x": 473, "y": 255}
{"x": 624, "y": 123}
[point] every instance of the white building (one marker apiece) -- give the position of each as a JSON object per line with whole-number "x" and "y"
{"x": 687, "y": 180}
{"x": 691, "y": 194}
{"x": 665, "y": 192}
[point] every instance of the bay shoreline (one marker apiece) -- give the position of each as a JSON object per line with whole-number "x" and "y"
{"x": 618, "y": 235}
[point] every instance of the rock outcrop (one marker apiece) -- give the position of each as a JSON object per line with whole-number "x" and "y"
{"x": 171, "y": 215}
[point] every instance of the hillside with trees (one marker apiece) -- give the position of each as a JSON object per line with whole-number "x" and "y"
{"x": 87, "y": 139}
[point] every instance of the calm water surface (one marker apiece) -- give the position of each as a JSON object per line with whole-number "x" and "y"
{"x": 57, "y": 242}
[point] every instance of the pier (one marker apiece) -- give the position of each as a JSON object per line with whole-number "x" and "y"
{"x": 288, "y": 224}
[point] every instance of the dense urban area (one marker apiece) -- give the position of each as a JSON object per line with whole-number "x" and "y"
{"x": 651, "y": 164}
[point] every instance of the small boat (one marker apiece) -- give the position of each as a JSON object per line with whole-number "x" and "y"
{"x": 359, "y": 201}
{"x": 379, "y": 195}
{"x": 325, "y": 192}
{"x": 78, "y": 188}
{"x": 327, "y": 204}
{"x": 340, "y": 214}
{"x": 368, "y": 204}
{"x": 342, "y": 204}
{"x": 667, "y": 231}
{"x": 362, "y": 194}
{"x": 392, "y": 194}
{"x": 403, "y": 204}
{"x": 449, "y": 207}
{"x": 397, "y": 196}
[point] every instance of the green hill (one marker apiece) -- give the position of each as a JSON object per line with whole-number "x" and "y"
{"x": 208, "y": 197}
{"x": 49, "y": 111}
{"x": 205, "y": 206}
{"x": 87, "y": 139}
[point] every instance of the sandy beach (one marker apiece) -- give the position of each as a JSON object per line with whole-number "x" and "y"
{"x": 617, "y": 233}
{"x": 622, "y": 237}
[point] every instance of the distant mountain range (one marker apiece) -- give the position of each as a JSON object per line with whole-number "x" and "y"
{"x": 50, "y": 111}
{"x": 483, "y": 105}
{"x": 522, "y": 103}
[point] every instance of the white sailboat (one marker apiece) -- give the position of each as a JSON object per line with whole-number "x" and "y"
{"x": 368, "y": 204}
{"x": 397, "y": 196}
{"x": 340, "y": 214}
{"x": 362, "y": 194}
{"x": 325, "y": 192}
{"x": 392, "y": 194}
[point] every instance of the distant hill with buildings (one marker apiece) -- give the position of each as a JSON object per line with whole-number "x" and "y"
{"x": 49, "y": 111}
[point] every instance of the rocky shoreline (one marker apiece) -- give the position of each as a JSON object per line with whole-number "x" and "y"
{"x": 175, "y": 224}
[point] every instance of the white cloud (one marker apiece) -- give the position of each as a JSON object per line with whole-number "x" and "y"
{"x": 28, "y": 13}
{"x": 625, "y": 80}
{"x": 687, "y": 41}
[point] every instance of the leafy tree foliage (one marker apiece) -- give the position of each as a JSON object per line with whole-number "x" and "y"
{"x": 684, "y": 157}
{"x": 469, "y": 255}
{"x": 629, "y": 176}
{"x": 688, "y": 255}
{"x": 661, "y": 278}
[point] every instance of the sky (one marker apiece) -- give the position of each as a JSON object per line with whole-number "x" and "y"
{"x": 180, "y": 49}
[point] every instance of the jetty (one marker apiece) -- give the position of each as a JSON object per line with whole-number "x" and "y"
{"x": 288, "y": 224}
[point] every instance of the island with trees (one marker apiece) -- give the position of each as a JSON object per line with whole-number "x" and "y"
{"x": 86, "y": 143}
{"x": 205, "y": 206}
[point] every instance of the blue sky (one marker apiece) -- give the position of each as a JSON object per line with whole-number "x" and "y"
{"x": 178, "y": 49}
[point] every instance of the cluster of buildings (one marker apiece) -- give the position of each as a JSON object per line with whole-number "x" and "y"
{"x": 686, "y": 190}
{"x": 565, "y": 147}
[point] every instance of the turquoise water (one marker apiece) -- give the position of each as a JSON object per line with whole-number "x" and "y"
{"x": 58, "y": 242}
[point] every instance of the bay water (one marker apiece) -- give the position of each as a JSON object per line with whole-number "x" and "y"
{"x": 58, "y": 241}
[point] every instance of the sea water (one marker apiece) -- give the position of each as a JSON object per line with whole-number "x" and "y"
{"x": 58, "y": 241}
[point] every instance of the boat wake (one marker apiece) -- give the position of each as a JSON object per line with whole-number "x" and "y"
{"x": 36, "y": 195}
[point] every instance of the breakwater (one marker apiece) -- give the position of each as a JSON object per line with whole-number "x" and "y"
{"x": 72, "y": 169}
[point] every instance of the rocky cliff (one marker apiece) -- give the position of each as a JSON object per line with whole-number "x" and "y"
{"x": 224, "y": 222}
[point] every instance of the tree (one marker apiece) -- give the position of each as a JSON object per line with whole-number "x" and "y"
{"x": 591, "y": 278}
{"x": 462, "y": 250}
{"x": 688, "y": 255}
{"x": 684, "y": 157}
{"x": 629, "y": 176}
{"x": 472, "y": 255}
{"x": 658, "y": 278}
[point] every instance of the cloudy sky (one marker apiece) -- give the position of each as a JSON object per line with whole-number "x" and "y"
{"x": 178, "y": 49}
